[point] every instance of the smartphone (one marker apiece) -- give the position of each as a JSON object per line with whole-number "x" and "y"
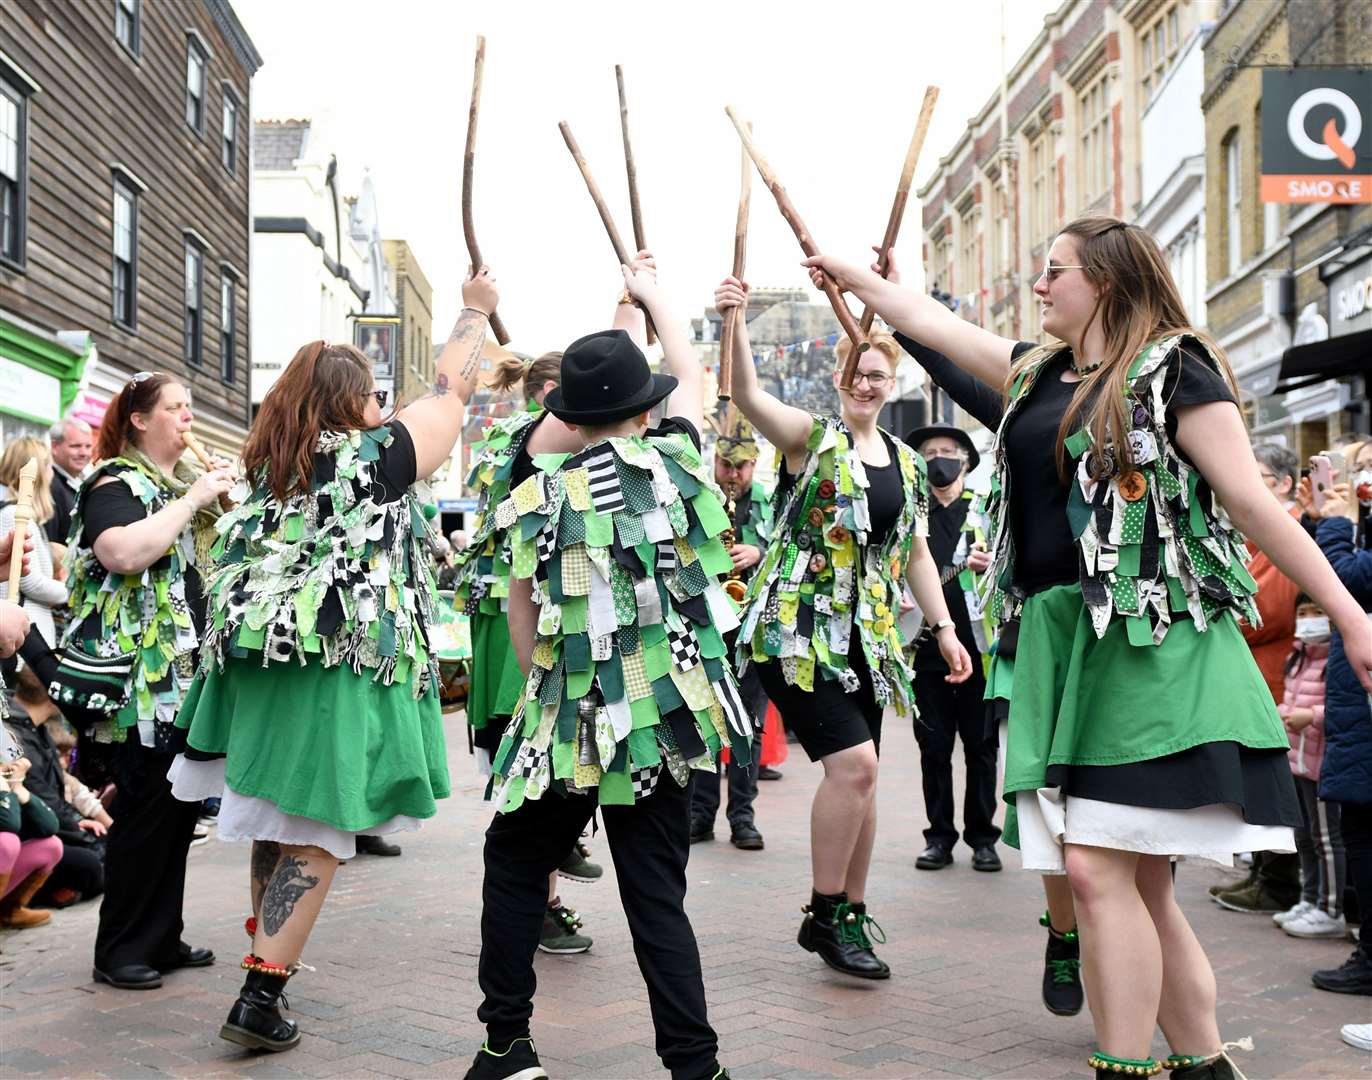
{"x": 1321, "y": 478}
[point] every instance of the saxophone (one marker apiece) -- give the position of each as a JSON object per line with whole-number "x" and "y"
{"x": 734, "y": 585}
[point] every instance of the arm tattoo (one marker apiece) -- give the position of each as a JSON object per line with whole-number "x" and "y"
{"x": 470, "y": 331}
{"x": 287, "y": 885}
{"x": 441, "y": 385}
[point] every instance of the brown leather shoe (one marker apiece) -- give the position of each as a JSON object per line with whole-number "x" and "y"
{"x": 13, "y": 914}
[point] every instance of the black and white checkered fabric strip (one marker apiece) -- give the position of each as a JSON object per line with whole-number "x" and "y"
{"x": 666, "y": 558}
{"x": 545, "y": 543}
{"x": 685, "y": 651}
{"x": 532, "y": 759}
{"x": 604, "y": 483}
{"x": 645, "y": 781}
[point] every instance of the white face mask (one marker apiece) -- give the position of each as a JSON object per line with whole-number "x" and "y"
{"x": 1313, "y": 629}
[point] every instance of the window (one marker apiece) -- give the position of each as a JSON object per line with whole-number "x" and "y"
{"x": 194, "y": 330}
{"x": 126, "y": 23}
{"x": 14, "y": 162}
{"x": 1233, "y": 210}
{"x": 229, "y": 151}
{"x": 1158, "y": 43}
{"x": 228, "y": 326}
{"x": 1043, "y": 185}
{"x": 125, "y": 253}
{"x": 1096, "y": 146}
{"x": 943, "y": 261}
{"x": 195, "y": 86}
{"x": 967, "y": 257}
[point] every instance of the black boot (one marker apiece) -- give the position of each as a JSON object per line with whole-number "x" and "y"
{"x": 1195, "y": 1068}
{"x": 832, "y": 929}
{"x": 1062, "y": 993}
{"x": 255, "y": 1020}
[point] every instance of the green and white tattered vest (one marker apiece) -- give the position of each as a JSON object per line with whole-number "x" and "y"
{"x": 483, "y": 569}
{"x": 821, "y": 577}
{"x": 333, "y": 575}
{"x": 630, "y": 675}
{"x": 1153, "y": 539}
{"x": 145, "y": 614}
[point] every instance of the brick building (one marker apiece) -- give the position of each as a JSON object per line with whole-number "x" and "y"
{"x": 1275, "y": 272}
{"x": 1061, "y": 137}
{"x": 414, "y": 361}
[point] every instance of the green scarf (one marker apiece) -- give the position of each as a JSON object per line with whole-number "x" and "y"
{"x": 182, "y": 477}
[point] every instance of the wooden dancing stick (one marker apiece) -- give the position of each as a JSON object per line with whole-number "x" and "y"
{"x": 468, "y": 168}
{"x": 807, "y": 244}
{"x": 731, "y": 317}
{"x": 635, "y": 213}
{"x": 621, "y": 253}
{"x": 888, "y": 241}
{"x": 23, "y": 516}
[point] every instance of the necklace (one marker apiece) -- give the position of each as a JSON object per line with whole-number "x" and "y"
{"x": 1085, "y": 369}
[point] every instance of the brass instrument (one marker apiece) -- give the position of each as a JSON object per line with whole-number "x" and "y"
{"x": 734, "y": 585}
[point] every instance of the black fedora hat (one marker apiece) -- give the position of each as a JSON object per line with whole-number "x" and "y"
{"x": 605, "y": 377}
{"x": 947, "y": 431}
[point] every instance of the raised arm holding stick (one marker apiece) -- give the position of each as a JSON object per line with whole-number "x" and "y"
{"x": 888, "y": 241}
{"x": 621, "y": 252}
{"x": 733, "y": 314}
{"x": 807, "y": 244}
{"x": 635, "y": 212}
{"x": 468, "y": 168}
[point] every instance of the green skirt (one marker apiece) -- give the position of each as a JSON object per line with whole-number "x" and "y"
{"x": 497, "y": 682}
{"x": 1080, "y": 700}
{"x": 321, "y": 743}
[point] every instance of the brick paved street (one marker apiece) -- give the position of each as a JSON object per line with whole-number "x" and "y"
{"x": 394, "y": 993}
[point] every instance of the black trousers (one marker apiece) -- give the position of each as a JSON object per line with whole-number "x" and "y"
{"x": 649, "y": 842}
{"x": 82, "y": 868}
{"x": 742, "y": 778}
{"x": 145, "y": 862}
{"x": 948, "y": 711}
{"x": 1356, "y": 822}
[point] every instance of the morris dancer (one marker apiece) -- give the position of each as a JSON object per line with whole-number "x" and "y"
{"x": 852, "y": 514}
{"x": 629, "y": 685}
{"x": 315, "y": 713}
{"x": 1128, "y": 587}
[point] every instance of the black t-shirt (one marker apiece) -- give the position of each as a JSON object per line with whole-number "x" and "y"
{"x": 523, "y": 466}
{"x": 945, "y": 533}
{"x": 885, "y": 492}
{"x": 1045, "y": 550}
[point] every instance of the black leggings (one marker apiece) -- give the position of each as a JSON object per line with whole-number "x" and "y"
{"x": 82, "y": 869}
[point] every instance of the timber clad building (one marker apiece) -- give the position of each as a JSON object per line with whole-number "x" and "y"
{"x": 124, "y": 224}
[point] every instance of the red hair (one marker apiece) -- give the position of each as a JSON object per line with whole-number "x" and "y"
{"x": 139, "y": 395}
{"x": 324, "y": 388}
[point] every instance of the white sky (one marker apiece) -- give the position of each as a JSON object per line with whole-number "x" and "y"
{"x": 832, "y": 90}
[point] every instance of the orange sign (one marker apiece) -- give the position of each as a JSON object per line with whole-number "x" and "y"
{"x": 1314, "y": 147}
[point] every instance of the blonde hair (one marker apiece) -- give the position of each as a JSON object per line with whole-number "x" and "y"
{"x": 881, "y": 340}
{"x": 14, "y": 458}
{"x": 532, "y": 373}
{"x": 1138, "y": 304}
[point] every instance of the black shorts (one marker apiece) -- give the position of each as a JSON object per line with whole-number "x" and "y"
{"x": 826, "y": 719}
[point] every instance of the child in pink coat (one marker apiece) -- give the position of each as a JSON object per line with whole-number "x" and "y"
{"x": 1319, "y": 842}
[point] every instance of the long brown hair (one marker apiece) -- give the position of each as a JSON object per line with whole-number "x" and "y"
{"x": 324, "y": 388}
{"x": 532, "y": 373}
{"x": 139, "y": 395}
{"x": 15, "y": 457}
{"x": 1138, "y": 304}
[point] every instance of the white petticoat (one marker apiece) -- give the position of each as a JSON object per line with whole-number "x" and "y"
{"x": 1048, "y": 819}
{"x": 246, "y": 817}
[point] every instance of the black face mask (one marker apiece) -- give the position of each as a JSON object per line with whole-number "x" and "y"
{"x": 944, "y": 471}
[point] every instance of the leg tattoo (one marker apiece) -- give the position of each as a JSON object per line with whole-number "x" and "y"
{"x": 265, "y": 855}
{"x": 287, "y": 885}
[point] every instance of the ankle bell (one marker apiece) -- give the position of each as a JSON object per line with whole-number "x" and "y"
{"x": 1113, "y": 1066}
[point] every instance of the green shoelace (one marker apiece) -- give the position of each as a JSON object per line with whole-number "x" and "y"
{"x": 1064, "y": 971}
{"x": 852, "y": 927}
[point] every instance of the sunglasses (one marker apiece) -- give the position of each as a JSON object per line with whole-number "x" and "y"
{"x": 381, "y": 397}
{"x": 1051, "y": 271}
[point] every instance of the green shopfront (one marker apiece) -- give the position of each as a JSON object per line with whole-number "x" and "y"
{"x": 41, "y": 375}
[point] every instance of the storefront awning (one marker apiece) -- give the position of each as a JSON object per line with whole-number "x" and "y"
{"x": 1304, "y": 365}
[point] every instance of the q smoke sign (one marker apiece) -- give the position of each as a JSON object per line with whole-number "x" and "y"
{"x": 1317, "y": 135}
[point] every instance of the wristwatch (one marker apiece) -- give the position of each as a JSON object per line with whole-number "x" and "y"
{"x": 942, "y": 624}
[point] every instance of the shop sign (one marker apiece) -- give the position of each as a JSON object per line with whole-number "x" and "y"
{"x": 33, "y": 395}
{"x": 1317, "y": 135}
{"x": 1350, "y": 299}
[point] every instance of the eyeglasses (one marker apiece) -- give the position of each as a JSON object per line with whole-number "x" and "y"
{"x": 956, "y": 455}
{"x": 1050, "y": 272}
{"x": 381, "y": 396}
{"x": 875, "y": 379}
